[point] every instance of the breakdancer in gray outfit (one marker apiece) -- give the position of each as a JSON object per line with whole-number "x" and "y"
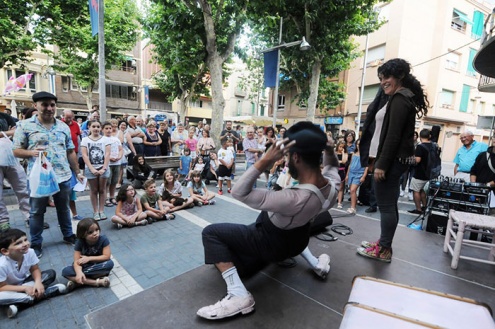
{"x": 282, "y": 228}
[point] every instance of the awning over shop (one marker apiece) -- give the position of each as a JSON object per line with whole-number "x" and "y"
{"x": 198, "y": 112}
{"x": 256, "y": 120}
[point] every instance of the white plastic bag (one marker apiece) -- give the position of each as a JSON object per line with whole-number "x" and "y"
{"x": 42, "y": 179}
{"x": 7, "y": 159}
{"x": 127, "y": 150}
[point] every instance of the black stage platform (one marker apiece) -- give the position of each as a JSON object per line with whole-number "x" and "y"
{"x": 294, "y": 297}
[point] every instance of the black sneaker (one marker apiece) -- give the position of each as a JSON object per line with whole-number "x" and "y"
{"x": 198, "y": 204}
{"x": 55, "y": 290}
{"x": 46, "y": 225}
{"x": 370, "y": 210}
{"x": 415, "y": 211}
{"x": 37, "y": 250}
{"x": 70, "y": 239}
{"x": 150, "y": 220}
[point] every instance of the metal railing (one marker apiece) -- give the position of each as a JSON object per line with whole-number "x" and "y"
{"x": 486, "y": 84}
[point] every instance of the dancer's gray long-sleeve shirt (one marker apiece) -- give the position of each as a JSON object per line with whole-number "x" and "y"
{"x": 287, "y": 208}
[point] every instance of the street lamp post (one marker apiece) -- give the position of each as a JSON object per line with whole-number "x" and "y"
{"x": 303, "y": 45}
{"x": 363, "y": 76}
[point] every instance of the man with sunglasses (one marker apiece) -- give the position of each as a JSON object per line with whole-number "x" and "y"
{"x": 44, "y": 133}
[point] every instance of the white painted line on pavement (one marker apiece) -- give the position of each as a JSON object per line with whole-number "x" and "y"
{"x": 236, "y": 202}
{"x": 123, "y": 284}
{"x": 193, "y": 218}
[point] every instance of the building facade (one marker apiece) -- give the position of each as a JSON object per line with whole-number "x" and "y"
{"x": 439, "y": 39}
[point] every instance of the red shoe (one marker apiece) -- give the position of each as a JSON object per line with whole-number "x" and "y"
{"x": 220, "y": 192}
{"x": 229, "y": 191}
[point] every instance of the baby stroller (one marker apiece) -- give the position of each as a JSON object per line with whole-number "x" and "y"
{"x": 206, "y": 169}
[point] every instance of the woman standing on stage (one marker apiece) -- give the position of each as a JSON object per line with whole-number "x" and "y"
{"x": 395, "y": 152}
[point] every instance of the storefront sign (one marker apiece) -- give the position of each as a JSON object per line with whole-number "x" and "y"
{"x": 334, "y": 120}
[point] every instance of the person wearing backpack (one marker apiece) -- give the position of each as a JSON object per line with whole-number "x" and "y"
{"x": 428, "y": 166}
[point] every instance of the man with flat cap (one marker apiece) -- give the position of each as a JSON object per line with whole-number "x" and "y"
{"x": 45, "y": 133}
{"x": 282, "y": 228}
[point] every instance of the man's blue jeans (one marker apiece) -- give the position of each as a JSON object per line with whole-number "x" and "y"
{"x": 38, "y": 209}
{"x": 249, "y": 165}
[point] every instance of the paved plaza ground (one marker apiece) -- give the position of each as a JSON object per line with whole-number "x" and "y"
{"x": 143, "y": 256}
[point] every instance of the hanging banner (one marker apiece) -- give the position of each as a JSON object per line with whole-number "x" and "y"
{"x": 93, "y": 13}
{"x": 270, "y": 60}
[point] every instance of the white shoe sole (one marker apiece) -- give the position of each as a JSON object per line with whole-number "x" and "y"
{"x": 323, "y": 272}
{"x": 11, "y": 311}
{"x": 246, "y": 310}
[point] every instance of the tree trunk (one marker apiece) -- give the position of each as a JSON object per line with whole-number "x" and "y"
{"x": 184, "y": 99}
{"x": 215, "y": 63}
{"x": 88, "y": 97}
{"x": 313, "y": 95}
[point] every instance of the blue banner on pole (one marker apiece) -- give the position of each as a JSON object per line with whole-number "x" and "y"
{"x": 93, "y": 14}
{"x": 146, "y": 95}
{"x": 271, "y": 68}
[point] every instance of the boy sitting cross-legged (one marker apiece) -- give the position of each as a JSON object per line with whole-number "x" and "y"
{"x": 21, "y": 280}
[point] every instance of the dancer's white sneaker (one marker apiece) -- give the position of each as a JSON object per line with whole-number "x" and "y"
{"x": 230, "y": 305}
{"x": 323, "y": 266}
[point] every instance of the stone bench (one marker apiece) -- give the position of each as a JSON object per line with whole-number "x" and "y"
{"x": 159, "y": 164}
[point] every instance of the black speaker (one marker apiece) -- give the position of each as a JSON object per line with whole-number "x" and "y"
{"x": 437, "y": 224}
{"x": 320, "y": 223}
{"x": 435, "y": 132}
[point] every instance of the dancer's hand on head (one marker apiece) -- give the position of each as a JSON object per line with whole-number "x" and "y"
{"x": 278, "y": 150}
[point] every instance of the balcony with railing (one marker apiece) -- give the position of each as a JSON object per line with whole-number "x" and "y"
{"x": 484, "y": 61}
{"x": 486, "y": 84}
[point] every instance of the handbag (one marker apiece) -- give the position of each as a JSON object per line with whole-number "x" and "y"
{"x": 8, "y": 159}
{"x": 126, "y": 149}
{"x": 42, "y": 178}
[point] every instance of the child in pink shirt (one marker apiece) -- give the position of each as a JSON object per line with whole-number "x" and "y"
{"x": 192, "y": 142}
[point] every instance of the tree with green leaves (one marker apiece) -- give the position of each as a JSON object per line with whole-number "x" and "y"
{"x": 198, "y": 38}
{"x": 223, "y": 21}
{"x": 18, "y": 21}
{"x": 66, "y": 24}
{"x": 178, "y": 46}
{"x": 329, "y": 27}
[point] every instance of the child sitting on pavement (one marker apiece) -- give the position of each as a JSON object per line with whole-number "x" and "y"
{"x": 152, "y": 203}
{"x": 129, "y": 210}
{"x": 212, "y": 172}
{"x": 21, "y": 280}
{"x": 92, "y": 263}
{"x": 198, "y": 191}
{"x": 199, "y": 166}
{"x": 174, "y": 189}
